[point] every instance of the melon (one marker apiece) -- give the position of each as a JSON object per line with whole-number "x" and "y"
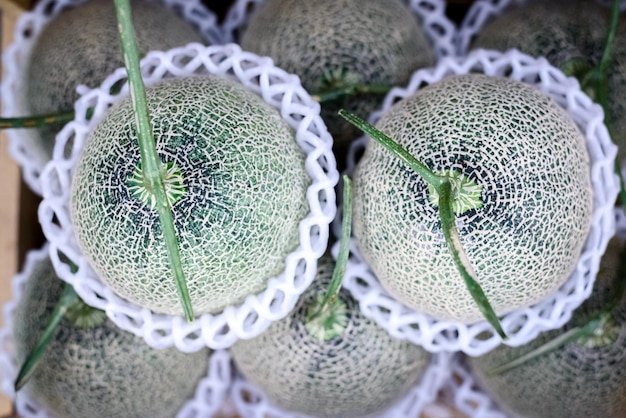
{"x": 333, "y": 43}
{"x": 585, "y": 377}
{"x": 236, "y": 181}
{"x": 524, "y": 164}
{"x": 81, "y": 46}
{"x": 98, "y": 371}
{"x": 568, "y": 33}
{"x": 572, "y": 36}
{"x": 354, "y": 370}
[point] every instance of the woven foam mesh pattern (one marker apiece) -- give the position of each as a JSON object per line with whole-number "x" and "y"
{"x": 574, "y": 380}
{"x": 466, "y": 395}
{"x": 523, "y": 324}
{"x": 245, "y": 319}
{"x": 32, "y": 148}
{"x": 251, "y": 402}
{"x": 330, "y": 377}
{"x": 209, "y": 383}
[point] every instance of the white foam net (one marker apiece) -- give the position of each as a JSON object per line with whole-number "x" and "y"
{"x": 430, "y": 13}
{"x": 462, "y": 391}
{"x": 250, "y": 402}
{"x": 524, "y": 324}
{"x": 482, "y": 11}
{"x": 210, "y": 394}
{"x": 282, "y": 91}
{"x": 23, "y": 143}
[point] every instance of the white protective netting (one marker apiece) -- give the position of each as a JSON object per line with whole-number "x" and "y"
{"x": 210, "y": 393}
{"x": 463, "y": 392}
{"x": 482, "y": 11}
{"x": 430, "y": 13}
{"x": 282, "y": 91}
{"x": 23, "y": 143}
{"x": 250, "y": 402}
{"x": 521, "y": 325}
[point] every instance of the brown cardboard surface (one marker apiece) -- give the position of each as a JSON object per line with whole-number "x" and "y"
{"x": 9, "y": 192}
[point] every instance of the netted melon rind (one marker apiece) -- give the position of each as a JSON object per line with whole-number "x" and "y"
{"x": 282, "y": 91}
{"x": 370, "y": 42}
{"x": 482, "y": 11}
{"x": 531, "y": 163}
{"x": 23, "y": 142}
{"x": 564, "y": 32}
{"x": 382, "y": 44}
{"x": 521, "y": 325}
{"x": 251, "y": 402}
{"x": 358, "y": 372}
{"x": 241, "y": 172}
{"x": 431, "y": 13}
{"x": 210, "y": 393}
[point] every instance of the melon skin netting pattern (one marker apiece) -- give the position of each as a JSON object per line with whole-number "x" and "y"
{"x": 27, "y": 146}
{"x": 250, "y": 317}
{"x": 208, "y": 397}
{"x": 520, "y": 325}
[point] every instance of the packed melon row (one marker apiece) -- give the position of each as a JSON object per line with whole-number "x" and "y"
{"x": 499, "y": 195}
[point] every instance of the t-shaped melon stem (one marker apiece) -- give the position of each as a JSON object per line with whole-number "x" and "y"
{"x": 36, "y": 121}
{"x": 71, "y": 307}
{"x": 151, "y": 165}
{"x": 466, "y": 192}
{"x": 326, "y": 316}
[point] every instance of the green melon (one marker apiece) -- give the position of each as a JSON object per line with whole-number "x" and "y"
{"x": 617, "y": 93}
{"x": 531, "y": 167}
{"x": 81, "y": 46}
{"x": 100, "y": 371}
{"x": 572, "y": 36}
{"x": 237, "y": 184}
{"x": 359, "y": 371}
{"x": 563, "y": 31}
{"x": 333, "y": 42}
{"x": 584, "y": 378}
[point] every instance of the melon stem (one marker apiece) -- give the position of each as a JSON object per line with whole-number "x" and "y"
{"x": 69, "y": 306}
{"x": 598, "y": 329}
{"x": 341, "y": 92}
{"x": 588, "y": 330}
{"x": 442, "y": 185}
{"x": 151, "y": 164}
{"x": 36, "y": 121}
{"x": 342, "y": 258}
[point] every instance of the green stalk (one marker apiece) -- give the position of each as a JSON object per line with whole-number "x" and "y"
{"x": 326, "y": 316}
{"x": 463, "y": 264}
{"x": 572, "y": 335}
{"x": 344, "y": 251}
{"x": 589, "y": 329}
{"x": 442, "y": 186}
{"x": 397, "y": 149}
{"x": 350, "y": 90}
{"x": 36, "y": 121}
{"x": 153, "y": 168}
{"x": 68, "y": 299}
